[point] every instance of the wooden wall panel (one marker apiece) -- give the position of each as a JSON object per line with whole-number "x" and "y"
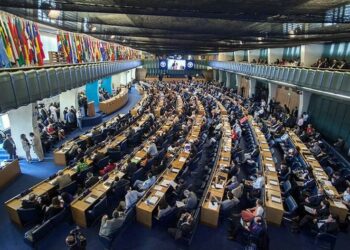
{"x": 287, "y": 96}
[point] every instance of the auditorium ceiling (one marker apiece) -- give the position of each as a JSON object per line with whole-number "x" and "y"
{"x": 194, "y": 26}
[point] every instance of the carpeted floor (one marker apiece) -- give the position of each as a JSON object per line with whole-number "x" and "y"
{"x": 135, "y": 236}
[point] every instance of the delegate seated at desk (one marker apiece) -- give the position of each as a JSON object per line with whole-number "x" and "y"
{"x": 132, "y": 197}
{"x": 144, "y": 185}
{"x": 110, "y": 226}
{"x": 62, "y": 179}
{"x": 82, "y": 165}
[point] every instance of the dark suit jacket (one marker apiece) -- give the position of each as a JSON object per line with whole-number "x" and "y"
{"x": 8, "y": 146}
{"x": 91, "y": 181}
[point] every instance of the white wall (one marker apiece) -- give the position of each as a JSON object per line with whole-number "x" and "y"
{"x": 238, "y": 55}
{"x": 227, "y": 56}
{"x": 310, "y": 53}
{"x": 22, "y": 121}
{"x": 253, "y": 54}
{"x": 274, "y": 54}
{"x": 67, "y": 99}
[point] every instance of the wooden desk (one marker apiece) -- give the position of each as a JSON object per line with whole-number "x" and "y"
{"x": 113, "y": 104}
{"x": 210, "y": 207}
{"x": 15, "y": 203}
{"x": 145, "y": 210}
{"x": 9, "y": 172}
{"x": 274, "y": 210}
{"x": 91, "y": 109}
{"x": 80, "y": 206}
{"x": 321, "y": 177}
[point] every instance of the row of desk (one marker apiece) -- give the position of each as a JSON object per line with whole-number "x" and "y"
{"x": 8, "y": 172}
{"x": 46, "y": 186}
{"x": 116, "y": 102}
{"x": 60, "y": 153}
{"x": 146, "y": 207}
{"x": 272, "y": 197}
{"x": 321, "y": 177}
{"x": 82, "y": 204}
{"x": 210, "y": 209}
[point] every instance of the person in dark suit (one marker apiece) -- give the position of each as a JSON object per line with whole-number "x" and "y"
{"x": 319, "y": 213}
{"x": 31, "y": 202}
{"x": 10, "y": 147}
{"x": 90, "y": 180}
{"x": 53, "y": 209}
{"x": 184, "y": 226}
{"x": 130, "y": 168}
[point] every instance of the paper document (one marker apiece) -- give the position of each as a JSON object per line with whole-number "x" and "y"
{"x": 268, "y": 165}
{"x": 274, "y": 183}
{"x": 90, "y": 200}
{"x": 213, "y": 205}
{"x": 165, "y": 183}
{"x": 219, "y": 186}
{"x": 180, "y": 204}
{"x": 182, "y": 159}
{"x": 152, "y": 200}
{"x": 276, "y": 199}
{"x": 269, "y": 158}
{"x": 157, "y": 187}
{"x": 310, "y": 210}
{"x": 159, "y": 194}
{"x": 267, "y": 150}
{"x": 173, "y": 184}
{"x": 271, "y": 169}
{"x": 175, "y": 170}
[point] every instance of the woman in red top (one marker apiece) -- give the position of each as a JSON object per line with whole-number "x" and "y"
{"x": 108, "y": 168}
{"x": 310, "y": 130}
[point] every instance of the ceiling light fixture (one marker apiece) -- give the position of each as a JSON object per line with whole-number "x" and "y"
{"x": 112, "y": 36}
{"x": 93, "y": 28}
{"x": 54, "y": 14}
{"x": 260, "y": 38}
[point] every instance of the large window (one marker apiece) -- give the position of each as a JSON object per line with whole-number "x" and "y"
{"x": 4, "y": 122}
{"x": 49, "y": 44}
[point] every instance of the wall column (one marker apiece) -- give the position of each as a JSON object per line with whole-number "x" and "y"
{"x": 221, "y": 75}
{"x": 228, "y": 79}
{"x": 214, "y": 74}
{"x": 272, "y": 91}
{"x": 23, "y": 121}
{"x": 310, "y": 53}
{"x": 252, "y": 84}
{"x": 68, "y": 99}
{"x": 304, "y": 101}
{"x": 92, "y": 92}
{"x": 107, "y": 84}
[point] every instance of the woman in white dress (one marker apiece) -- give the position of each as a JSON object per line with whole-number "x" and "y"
{"x": 26, "y": 147}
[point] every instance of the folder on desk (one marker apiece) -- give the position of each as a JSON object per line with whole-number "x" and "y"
{"x": 159, "y": 194}
{"x": 90, "y": 200}
{"x": 273, "y": 182}
{"x": 275, "y": 199}
{"x": 175, "y": 170}
{"x": 165, "y": 183}
{"x": 182, "y": 159}
{"x": 180, "y": 204}
{"x": 152, "y": 200}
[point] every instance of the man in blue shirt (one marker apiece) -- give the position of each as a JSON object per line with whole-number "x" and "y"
{"x": 132, "y": 197}
{"x": 144, "y": 185}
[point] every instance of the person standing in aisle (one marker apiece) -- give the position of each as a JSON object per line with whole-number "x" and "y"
{"x": 37, "y": 147}
{"x": 26, "y": 147}
{"x": 10, "y": 147}
{"x": 79, "y": 119}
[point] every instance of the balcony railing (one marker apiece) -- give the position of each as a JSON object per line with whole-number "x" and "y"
{"x": 336, "y": 82}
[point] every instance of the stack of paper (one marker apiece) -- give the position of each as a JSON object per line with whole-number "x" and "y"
{"x": 175, "y": 170}
{"x": 90, "y": 200}
{"x": 182, "y": 159}
{"x": 159, "y": 194}
{"x": 271, "y": 169}
{"x": 165, "y": 183}
{"x": 152, "y": 200}
{"x": 273, "y": 182}
{"x": 157, "y": 187}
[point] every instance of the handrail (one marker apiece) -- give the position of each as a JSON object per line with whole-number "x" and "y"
{"x": 46, "y": 66}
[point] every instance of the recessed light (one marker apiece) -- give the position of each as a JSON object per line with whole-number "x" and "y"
{"x": 112, "y": 36}
{"x": 54, "y": 14}
{"x": 260, "y": 38}
{"x": 93, "y": 28}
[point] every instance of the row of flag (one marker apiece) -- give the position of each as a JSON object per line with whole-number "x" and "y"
{"x": 78, "y": 48}
{"x": 20, "y": 42}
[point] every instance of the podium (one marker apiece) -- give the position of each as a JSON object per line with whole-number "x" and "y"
{"x": 91, "y": 109}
